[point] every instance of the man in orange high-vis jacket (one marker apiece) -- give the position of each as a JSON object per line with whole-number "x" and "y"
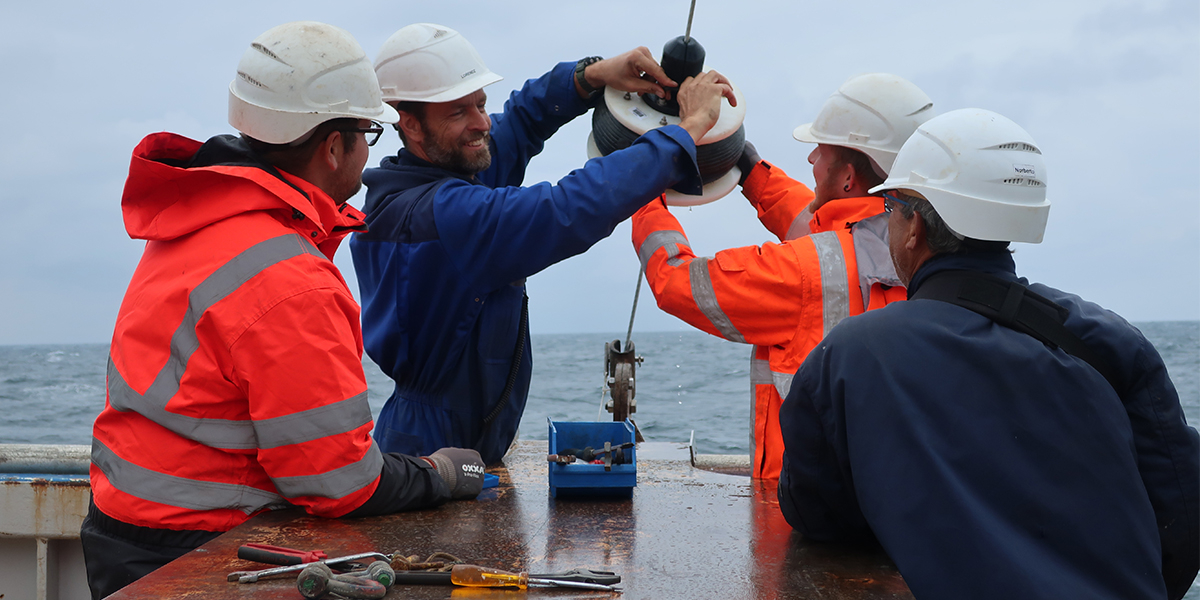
{"x": 235, "y": 378}
{"x": 832, "y": 261}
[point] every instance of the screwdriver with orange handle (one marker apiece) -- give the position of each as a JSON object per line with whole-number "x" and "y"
{"x": 476, "y": 576}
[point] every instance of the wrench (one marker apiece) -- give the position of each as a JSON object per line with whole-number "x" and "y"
{"x": 253, "y": 576}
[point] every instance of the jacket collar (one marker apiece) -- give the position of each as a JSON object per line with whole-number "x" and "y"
{"x": 404, "y": 171}
{"x": 405, "y": 160}
{"x": 998, "y": 263}
{"x": 172, "y": 178}
{"x": 841, "y": 213}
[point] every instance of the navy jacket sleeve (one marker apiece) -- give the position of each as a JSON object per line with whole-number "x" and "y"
{"x": 531, "y": 115}
{"x": 816, "y": 492}
{"x": 498, "y": 233}
{"x": 497, "y": 236}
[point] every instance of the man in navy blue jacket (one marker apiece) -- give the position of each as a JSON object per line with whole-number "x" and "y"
{"x": 999, "y": 439}
{"x": 452, "y": 235}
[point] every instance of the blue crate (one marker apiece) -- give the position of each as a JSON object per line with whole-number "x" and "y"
{"x": 586, "y": 480}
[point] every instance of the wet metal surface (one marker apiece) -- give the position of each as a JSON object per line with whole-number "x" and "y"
{"x": 686, "y": 533}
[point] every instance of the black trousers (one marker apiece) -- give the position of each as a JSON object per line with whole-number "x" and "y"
{"x": 117, "y": 554}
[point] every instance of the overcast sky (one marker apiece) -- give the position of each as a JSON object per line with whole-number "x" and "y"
{"x": 1109, "y": 89}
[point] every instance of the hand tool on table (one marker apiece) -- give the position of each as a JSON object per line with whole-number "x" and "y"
{"x": 253, "y": 576}
{"x": 444, "y": 577}
{"x": 378, "y": 571}
{"x": 610, "y": 455}
{"x": 476, "y": 576}
{"x": 317, "y": 580}
{"x": 278, "y": 555}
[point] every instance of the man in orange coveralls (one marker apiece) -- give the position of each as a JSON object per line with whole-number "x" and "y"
{"x": 832, "y": 261}
{"x": 235, "y": 378}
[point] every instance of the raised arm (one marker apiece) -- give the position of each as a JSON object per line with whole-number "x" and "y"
{"x": 497, "y": 236}
{"x": 780, "y": 200}
{"x": 754, "y": 294}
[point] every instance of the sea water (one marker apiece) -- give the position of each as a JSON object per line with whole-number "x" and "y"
{"x": 688, "y": 381}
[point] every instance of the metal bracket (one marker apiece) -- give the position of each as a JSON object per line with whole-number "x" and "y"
{"x": 620, "y": 367}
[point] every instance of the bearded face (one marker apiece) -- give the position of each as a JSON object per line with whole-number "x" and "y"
{"x": 454, "y": 134}
{"x": 468, "y": 153}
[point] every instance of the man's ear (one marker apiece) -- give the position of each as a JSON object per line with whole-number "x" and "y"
{"x": 412, "y": 127}
{"x": 915, "y": 232}
{"x": 331, "y": 152}
{"x": 847, "y": 177}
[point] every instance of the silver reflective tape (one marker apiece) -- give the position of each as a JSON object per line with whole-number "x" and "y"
{"x": 761, "y": 374}
{"x": 314, "y": 423}
{"x": 706, "y": 300}
{"x": 872, "y": 255}
{"x": 799, "y": 227}
{"x": 171, "y": 490}
{"x": 835, "y": 291}
{"x": 783, "y": 382}
{"x": 337, "y": 483}
{"x": 760, "y": 371}
{"x": 216, "y": 433}
{"x": 657, "y": 240}
{"x": 754, "y": 367}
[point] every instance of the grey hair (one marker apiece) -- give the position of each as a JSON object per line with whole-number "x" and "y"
{"x": 938, "y": 236}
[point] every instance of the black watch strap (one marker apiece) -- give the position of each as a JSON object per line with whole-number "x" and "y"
{"x": 581, "y": 80}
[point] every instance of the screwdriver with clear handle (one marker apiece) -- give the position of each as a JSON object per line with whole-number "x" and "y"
{"x": 476, "y": 576}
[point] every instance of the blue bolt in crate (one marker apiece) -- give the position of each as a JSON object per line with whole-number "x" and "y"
{"x": 578, "y": 480}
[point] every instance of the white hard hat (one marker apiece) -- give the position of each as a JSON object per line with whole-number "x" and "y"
{"x": 983, "y": 174}
{"x": 299, "y": 75}
{"x": 430, "y": 63}
{"x": 873, "y": 113}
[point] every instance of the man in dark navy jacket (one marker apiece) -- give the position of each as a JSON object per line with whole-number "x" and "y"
{"x": 999, "y": 439}
{"x": 452, "y": 236}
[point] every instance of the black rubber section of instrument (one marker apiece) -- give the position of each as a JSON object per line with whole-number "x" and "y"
{"x": 714, "y": 160}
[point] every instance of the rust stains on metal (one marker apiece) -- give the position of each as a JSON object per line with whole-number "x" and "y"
{"x": 686, "y": 533}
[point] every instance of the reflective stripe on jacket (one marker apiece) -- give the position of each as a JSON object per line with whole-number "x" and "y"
{"x": 783, "y": 298}
{"x": 235, "y": 380}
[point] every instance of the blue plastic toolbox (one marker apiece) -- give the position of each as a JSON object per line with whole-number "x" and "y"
{"x": 580, "y": 479}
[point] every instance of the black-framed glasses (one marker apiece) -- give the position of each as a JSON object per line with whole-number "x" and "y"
{"x": 894, "y": 197}
{"x": 372, "y": 133}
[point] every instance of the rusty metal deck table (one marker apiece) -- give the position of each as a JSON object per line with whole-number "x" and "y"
{"x": 686, "y": 533}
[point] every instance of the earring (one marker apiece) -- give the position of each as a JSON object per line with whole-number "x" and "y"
{"x": 847, "y": 188}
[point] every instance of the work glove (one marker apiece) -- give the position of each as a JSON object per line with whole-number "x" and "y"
{"x": 461, "y": 469}
{"x": 747, "y": 160}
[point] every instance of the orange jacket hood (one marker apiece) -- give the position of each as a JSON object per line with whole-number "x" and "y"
{"x": 167, "y": 194}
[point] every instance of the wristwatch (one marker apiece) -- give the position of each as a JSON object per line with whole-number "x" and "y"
{"x": 581, "y": 80}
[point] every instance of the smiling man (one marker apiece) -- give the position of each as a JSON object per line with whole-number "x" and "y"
{"x": 453, "y": 235}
